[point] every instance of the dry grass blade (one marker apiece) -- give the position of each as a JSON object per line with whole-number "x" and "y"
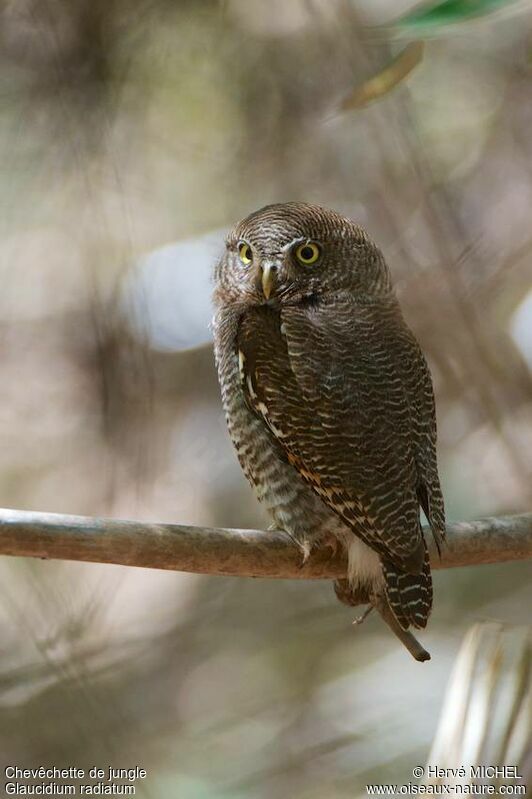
{"x": 390, "y": 77}
{"x": 486, "y": 715}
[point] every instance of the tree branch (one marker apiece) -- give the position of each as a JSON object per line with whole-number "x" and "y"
{"x": 242, "y": 553}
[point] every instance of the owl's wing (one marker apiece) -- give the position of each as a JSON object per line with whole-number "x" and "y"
{"x": 428, "y": 489}
{"x": 341, "y": 388}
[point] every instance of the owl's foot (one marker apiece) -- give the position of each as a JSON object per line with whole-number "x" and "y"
{"x": 406, "y": 637}
{"x": 360, "y": 619}
{"x": 304, "y": 546}
{"x": 331, "y": 542}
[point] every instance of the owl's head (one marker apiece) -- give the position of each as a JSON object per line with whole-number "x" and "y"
{"x": 292, "y": 252}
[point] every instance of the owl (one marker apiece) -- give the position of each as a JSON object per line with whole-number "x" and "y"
{"x": 329, "y": 402}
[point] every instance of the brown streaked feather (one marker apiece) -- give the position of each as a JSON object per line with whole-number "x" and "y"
{"x": 343, "y": 391}
{"x": 409, "y": 595}
{"x": 329, "y": 403}
{"x": 330, "y": 390}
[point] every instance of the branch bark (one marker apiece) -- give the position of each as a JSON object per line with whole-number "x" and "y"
{"x": 239, "y": 553}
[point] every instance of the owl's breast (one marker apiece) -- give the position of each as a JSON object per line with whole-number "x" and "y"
{"x": 292, "y": 504}
{"x": 290, "y": 501}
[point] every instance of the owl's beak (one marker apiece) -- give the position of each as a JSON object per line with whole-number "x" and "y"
{"x": 268, "y": 279}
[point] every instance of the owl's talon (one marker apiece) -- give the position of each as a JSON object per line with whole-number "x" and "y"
{"x": 361, "y": 618}
{"x": 306, "y": 554}
{"x": 303, "y": 546}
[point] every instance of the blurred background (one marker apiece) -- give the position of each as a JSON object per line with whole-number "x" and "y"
{"x": 133, "y": 135}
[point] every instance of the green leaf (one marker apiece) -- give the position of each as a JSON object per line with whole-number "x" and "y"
{"x": 448, "y": 12}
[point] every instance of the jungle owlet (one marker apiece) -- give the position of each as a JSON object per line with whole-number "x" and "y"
{"x": 329, "y": 402}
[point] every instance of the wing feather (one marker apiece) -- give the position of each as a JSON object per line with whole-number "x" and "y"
{"x": 338, "y": 386}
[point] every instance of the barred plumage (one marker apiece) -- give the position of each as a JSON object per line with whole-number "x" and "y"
{"x": 329, "y": 400}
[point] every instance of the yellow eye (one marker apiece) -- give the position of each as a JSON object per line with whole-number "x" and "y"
{"x": 308, "y": 253}
{"x": 245, "y": 253}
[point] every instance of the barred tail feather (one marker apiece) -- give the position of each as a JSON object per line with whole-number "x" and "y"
{"x": 409, "y": 595}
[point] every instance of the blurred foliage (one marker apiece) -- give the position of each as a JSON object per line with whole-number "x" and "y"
{"x": 127, "y": 127}
{"x": 451, "y": 11}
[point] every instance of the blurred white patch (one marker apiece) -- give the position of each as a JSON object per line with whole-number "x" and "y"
{"x": 521, "y": 328}
{"x": 168, "y": 297}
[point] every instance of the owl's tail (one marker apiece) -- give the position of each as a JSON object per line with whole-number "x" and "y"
{"x": 409, "y": 595}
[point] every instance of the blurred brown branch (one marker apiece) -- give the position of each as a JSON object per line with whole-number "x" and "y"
{"x": 243, "y": 553}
